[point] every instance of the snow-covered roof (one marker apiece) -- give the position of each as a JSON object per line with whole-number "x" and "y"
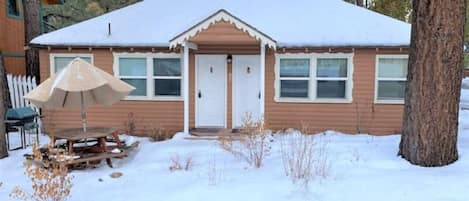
{"x": 292, "y": 23}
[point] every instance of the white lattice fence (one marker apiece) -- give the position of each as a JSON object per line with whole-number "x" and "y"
{"x": 18, "y": 86}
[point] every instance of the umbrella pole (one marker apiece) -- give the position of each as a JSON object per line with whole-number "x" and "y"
{"x": 83, "y": 115}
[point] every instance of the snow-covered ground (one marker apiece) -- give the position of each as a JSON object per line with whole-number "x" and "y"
{"x": 362, "y": 168}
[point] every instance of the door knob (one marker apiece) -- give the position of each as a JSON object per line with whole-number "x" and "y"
{"x": 259, "y": 95}
{"x": 199, "y": 94}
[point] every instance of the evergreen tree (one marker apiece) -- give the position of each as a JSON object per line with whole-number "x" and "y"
{"x": 430, "y": 126}
{"x": 3, "y": 142}
{"x": 399, "y": 9}
{"x": 74, "y": 11}
{"x": 362, "y": 3}
{"x": 32, "y": 29}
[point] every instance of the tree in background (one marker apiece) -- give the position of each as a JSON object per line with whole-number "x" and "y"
{"x": 362, "y": 3}
{"x": 430, "y": 126}
{"x": 3, "y": 145}
{"x": 399, "y": 9}
{"x": 74, "y": 11}
{"x": 466, "y": 38}
{"x": 32, "y": 28}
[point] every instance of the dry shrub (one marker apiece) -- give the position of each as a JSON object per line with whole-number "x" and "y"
{"x": 160, "y": 134}
{"x": 215, "y": 173}
{"x": 356, "y": 156}
{"x": 253, "y": 143}
{"x": 130, "y": 124}
{"x": 50, "y": 180}
{"x": 297, "y": 156}
{"x": 177, "y": 164}
{"x": 322, "y": 162}
{"x": 304, "y": 157}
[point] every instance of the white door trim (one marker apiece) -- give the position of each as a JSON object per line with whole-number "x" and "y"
{"x": 197, "y": 58}
{"x": 234, "y": 72}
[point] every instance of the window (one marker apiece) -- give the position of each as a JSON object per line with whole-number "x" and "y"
{"x": 155, "y": 76}
{"x": 294, "y": 78}
{"x": 314, "y": 77}
{"x": 331, "y": 78}
{"x": 167, "y": 75}
{"x": 134, "y": 72}
{"x": 13, "y": 8}
{"x": 60, "y": 61}
{"x": 391, "y": 74}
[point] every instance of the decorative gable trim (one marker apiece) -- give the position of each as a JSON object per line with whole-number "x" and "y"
{"x": 227, "y": 17}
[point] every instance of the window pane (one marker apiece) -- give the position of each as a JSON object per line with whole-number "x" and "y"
{"x": 294, "y": 67}
{"x": 391, "y": 90}
{"x": 132, "y": 66}
{"x": 13, "y": 7}
{"x": 140, "y": 86}
{"x": 332, "y": 68}
{"x": 62, "y": 62}
{"x": 167, "y": 67}
{"x": 167, "y": 87}
{"x": 392, "y": 68}
{"x": 294, "y": 88}
{"x": 331, "y": 89}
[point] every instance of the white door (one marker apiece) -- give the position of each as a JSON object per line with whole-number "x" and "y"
{"x": 210, "y": 90}
{"x": 246, "y": 88}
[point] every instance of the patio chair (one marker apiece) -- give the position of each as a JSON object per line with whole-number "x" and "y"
{"x": 22, "y": 120}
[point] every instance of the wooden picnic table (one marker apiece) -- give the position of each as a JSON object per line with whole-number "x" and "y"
{"x": 77, "y": 135}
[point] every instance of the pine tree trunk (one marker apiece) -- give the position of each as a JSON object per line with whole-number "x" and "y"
{"x": 3, "y": 145}
{"x": 32, "y": 27}
{"x": 430, "y": 126}
{"x": 360, "y": 3}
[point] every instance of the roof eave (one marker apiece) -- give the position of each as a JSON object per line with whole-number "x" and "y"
{"x": 222, "y": 15}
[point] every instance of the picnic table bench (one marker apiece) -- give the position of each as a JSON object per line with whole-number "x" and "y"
{"x": 90, "y": 152}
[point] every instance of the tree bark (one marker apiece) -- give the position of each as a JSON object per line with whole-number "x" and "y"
{"x": 360, "y": 3}
{"x": 32, "y": 27}
{"x": 430, "y": 126}
{"x": 3, "y": 145}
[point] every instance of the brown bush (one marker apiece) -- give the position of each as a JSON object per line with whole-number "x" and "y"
{"x": 304, "y": 157}
{"x": 253, "y": 144}
{"x": 51, "y": 181}
{"x": 159, "y": 134}
{"x": 177, "y": 164}
{"x": 130, "y": 124}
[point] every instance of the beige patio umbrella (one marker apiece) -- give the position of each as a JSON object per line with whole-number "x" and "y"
{"x": 78, "y": 86}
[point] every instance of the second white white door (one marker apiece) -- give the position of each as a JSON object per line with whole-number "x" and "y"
{"x": 246, "y": 88}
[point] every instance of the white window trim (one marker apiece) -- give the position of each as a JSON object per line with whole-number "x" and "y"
{"x": 313, "y": 79}
{"x": 387, "y": 56}
{"x": 52, "y": 57}
{"x": 150, "y": 77}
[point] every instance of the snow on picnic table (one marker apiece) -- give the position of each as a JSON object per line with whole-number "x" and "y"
{"x": 362, "y": 168}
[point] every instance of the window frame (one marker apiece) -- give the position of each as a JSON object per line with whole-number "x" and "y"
{"x": 377, "y": 79}
{"x": 280, "y": 79}
{"x": 160, "y": 77}
{"x": 312, "y": 86}
{"x": 19, "y": 4}
{"x": 52, "y": 57}
{"x": 150, "y": 77}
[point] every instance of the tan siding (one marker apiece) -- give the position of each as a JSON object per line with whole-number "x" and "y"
{"x": 12, "y": 41}
{"x": 360, "y": 116}
{"x": 149, "y": 114}
{"x": 222, "y": 33}
{"x": 15, "y": 65}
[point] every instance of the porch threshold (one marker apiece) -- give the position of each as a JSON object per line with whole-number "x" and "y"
{"x": 213, "y": 132}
